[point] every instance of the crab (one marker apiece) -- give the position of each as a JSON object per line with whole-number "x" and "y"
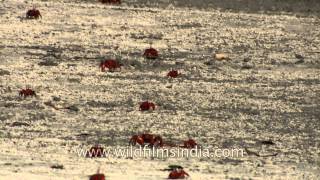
{"x": 151, "y": 139}
{"x": 178, "y": 173}
{"x": 97, "y": 176}
{"x": 110, "y": 1}
{"x": 111, "y": 64}
{"x": 151, "y": 53}
{"x": 33, "y": 14}
{"x": 146, "y": 105}
{"x": 27, "y": 92}
{"x": 95, "y": 151}
{"x": 190, "y": 143}
{"x": 173, "y": 74}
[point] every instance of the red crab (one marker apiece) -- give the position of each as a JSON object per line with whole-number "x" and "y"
{"x": 178, "y": 174}
{"x": 110, "y": 1}
{"x": 111, "y": 64}
{"x": 97, "y": 176}
{"x": 146, "y": 105}
{"x": 151, "y": 139}
{"x": 151, "y": 53}
{"x": 189, "y": 144}
{"x": 95, "y": 151}
{"x": 27, "y": 92}
{"x": 173, "y": 74}
{"x": 33, "y": 14}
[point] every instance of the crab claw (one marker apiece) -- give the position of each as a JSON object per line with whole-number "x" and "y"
{"x": 157, "y": 141}
{"x": 136, "y": 139}
{"x": 153, "y": 106}
{"x": 102, "y": 66}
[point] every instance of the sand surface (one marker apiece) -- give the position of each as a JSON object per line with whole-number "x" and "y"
{"x": 264, "y": 92}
